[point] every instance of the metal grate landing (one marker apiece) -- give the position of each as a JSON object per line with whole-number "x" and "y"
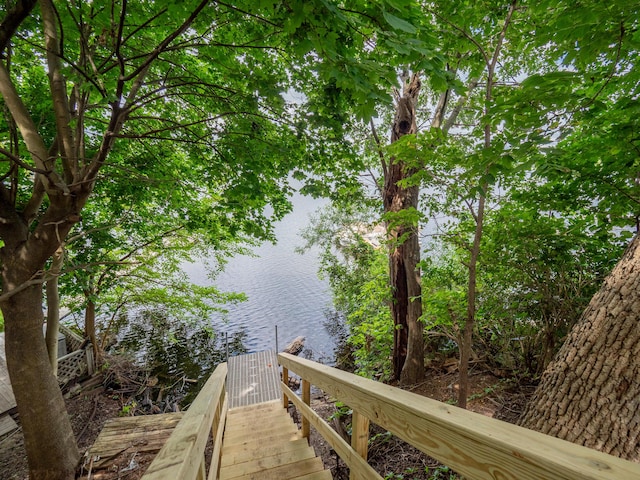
{"x": 253, "y": 378}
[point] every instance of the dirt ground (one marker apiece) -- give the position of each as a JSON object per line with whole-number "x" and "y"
{"x": 90, "y": 407}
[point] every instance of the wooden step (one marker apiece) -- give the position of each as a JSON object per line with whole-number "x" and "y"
{"x": 259, "y": 442}
{"x": 257, "y": 408}
{"x": 252, "y": 422}
{"x": 282, "y": 472}
{"x": 262, "y": 442}
{"x": 323, "y": 475}
{"x": 267, "y": 462}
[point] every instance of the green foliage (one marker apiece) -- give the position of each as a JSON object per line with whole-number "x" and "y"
{"x": 358, "y": 277}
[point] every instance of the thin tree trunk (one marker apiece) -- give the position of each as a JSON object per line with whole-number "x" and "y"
{"x": 404, "y": 249}
{"x": 90, "y": 326}
{"x": 467, "y": 335}
{"x": 589, "y": 393}
{"x": 53, "y": 310}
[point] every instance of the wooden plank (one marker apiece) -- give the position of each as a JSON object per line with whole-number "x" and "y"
{"x": 182, "y": 454}
{"x": 217, "y": 432}
{"x": 267, "y": 450}
{"x": 267, "y": 462}
{"x": 235, "y": 436}
{"x": 323, "y": 475}
{"x": 358, "y": 465}
{"x": 7, "y": 400}
{"x": 264, "y": 415}
{"x": 144, "y": 434}
{"x": 7, "y": 425}
{"x": 258, "y": 408}
{"x": 284, "y": 472}
{"x": 253, "y": 442}
{"x": 306, "y": 398}
{"x": 472, "y": 444}
{"x": 360, "y": 434}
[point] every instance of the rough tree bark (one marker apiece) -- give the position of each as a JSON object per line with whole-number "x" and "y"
{"x": 404, "y": 248}
{"x": 589, "y": 393}
{"x": 43, "y": 415}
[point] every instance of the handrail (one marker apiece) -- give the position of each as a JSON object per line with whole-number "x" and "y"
{"x": 182, "y": 456}
{"x": 471, "y": 444}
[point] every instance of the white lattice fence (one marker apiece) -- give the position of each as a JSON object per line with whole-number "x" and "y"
{"x": 77, "y": 363}
{"x": 72, "y": 339}
{"x": 71, "y": 366}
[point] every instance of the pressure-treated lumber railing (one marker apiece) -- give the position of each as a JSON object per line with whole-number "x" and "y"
{"x": 476, "y": 446}
{"x": 182, "y": 457}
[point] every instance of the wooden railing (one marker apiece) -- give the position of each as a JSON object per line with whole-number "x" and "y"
{"x": 476, "y": 446}
{"x": 183, "y": 456}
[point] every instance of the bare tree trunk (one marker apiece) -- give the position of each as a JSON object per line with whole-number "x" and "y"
{"x": 53, "y": 309}
{"x": 589, "y": 393}
{"x": 404, "y": 249}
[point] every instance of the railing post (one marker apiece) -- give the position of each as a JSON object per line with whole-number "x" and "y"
{"x": 285, "y": 380}
{"x": 359, "y": 437}
{"x": 202, "y": 471}
{"x": 306, "y": 398}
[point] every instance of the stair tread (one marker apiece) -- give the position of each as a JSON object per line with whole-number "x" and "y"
{"x": 241, "y": 455}
{"x": 282, "y": 472}
{"x": 253, "y": 465}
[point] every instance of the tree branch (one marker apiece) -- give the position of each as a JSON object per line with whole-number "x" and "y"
{"x": 12, "y": 21}
{"x": 27, "y": 128}
{"x": 59, "y": 96}
{"x": 376, "y": 138}
{"x": 165, "y": 43}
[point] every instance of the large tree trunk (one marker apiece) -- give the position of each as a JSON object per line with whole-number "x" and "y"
{"x": 49, "y": 440}
{"x": 404, "y": 250}
{"x": 51, "y": 447}
{"x": 589, "y": 393}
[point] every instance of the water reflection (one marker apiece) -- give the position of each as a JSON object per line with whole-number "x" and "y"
{"x": 180, "y": 354}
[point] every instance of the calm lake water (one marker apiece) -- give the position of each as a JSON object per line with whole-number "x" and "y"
{"x": 282, "y": 287}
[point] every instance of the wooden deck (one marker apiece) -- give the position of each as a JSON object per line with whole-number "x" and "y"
{"x": 253, "y": 378}
{"x": 7, "y": 400}
{"x": 262, "y": 442}
{"x": 123, "y": 442}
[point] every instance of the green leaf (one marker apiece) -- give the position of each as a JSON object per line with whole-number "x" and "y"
{"x": 398, "y": 23}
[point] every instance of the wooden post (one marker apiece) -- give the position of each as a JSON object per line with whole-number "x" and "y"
{"x": 306, "y": 398}
{"x": 202, "y": 471}
{"x": 285, "y": 380}
{"x": 360, "y": 434}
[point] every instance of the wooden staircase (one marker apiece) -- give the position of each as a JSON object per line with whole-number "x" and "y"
{"x": 262, "y": 442}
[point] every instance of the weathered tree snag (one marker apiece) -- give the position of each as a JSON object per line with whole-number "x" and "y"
{"x": 589, "y": 393}
{"x": 404, "y": 248}
{"x": 296, "y": 346}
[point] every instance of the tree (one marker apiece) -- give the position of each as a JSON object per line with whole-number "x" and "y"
{"x": 404, "y": 248}
{"x": 588, "y": 393}
{"x": 196, "y": 89}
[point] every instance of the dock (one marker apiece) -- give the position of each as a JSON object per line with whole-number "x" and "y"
{"x": 253, "y": 378}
